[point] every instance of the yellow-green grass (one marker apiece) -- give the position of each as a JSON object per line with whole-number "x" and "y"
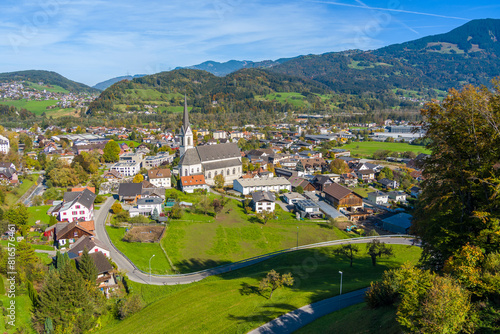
{"x": 202, "y": 241}
{"x": 355, "y": 319}
{"x": 140, "y": 253}
{"x": 11, "y": 198}
{"x": 23, "y": 314}
{"x": 38, "y": 213}
{"x": 38, "y": 107}
{"x": 362, "y": 191}
{"x": 130, "y": 143}
{"x": 366, "y": 149}
{"x": 54, "y": 88}
{"x": 231, "y": 303}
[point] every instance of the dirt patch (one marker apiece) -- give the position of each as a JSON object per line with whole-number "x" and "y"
{"x": 144, "y": 234}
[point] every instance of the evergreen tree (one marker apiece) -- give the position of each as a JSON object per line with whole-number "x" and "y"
{"x": 87, "y": 267}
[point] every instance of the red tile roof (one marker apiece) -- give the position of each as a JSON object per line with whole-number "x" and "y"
{"x": 192, "y": 180}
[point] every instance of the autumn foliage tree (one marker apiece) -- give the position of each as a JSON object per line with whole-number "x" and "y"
{"x": 339, "y": 166}
{"x": 274, "y": 281}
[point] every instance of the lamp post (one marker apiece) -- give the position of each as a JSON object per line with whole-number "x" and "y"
{"x": 341, "y": 274}
{"x": 150, "y": 267}
{"x": 297, "y": 237}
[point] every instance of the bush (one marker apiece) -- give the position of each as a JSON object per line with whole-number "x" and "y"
{"x": 130, "y": 305}
{"x": 122, "y": 216}
{"x": 99, "y": 199}
{"x": 380, "y": 294}
{"x": 116, "y": 208}
{"x": 140, "y": 219}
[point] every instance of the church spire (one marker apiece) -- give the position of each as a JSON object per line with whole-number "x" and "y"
{"x": 185, "y": 119}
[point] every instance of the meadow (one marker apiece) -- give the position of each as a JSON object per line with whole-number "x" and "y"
{"x": 365, "y": 149}
{"x": 232, "y": 302}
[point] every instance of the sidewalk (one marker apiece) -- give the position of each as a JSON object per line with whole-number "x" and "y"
{"x": 292, "y": 321}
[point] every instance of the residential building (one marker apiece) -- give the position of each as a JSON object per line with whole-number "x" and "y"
{"x": 311, "y": 165}
{"x": 147, "y": 206}
{"x": 292, "y": 198}
{"x": 378, "y": 197}
{"x": 397, "y": 196}
{"x": 127, "y": 168}
{"x": 105, "y": 272}
{"x": 263, "y": 201}
{"x": 296, "y": 182}
{"x": 415, "y": 191}
{"x": 320, "y": 182}
{"x": 66, "y": 233}
{"x": 112, "y": 175}
{"x": 92, "y": 245}
{"x": 129, "y": 192}
{"x": 388, "y": 183}
{"x": 192, "y": 182}
{"x": 160, "y": 177}
{"x": 275, "y": 184}
{"x": 4, "y": 145}
{"x": 158, "y": 160}
{"x": 220, "y": 135}
{"x": 132, "y": 157}
{"x": 308, "y": 208}
{"x": 78, "y": 205}
{"x": 366, "y": 175}
{"x": 341, "y": 197}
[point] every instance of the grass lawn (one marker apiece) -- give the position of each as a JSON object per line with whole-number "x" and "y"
{"x": 201, "y": 241}
{"x": 231, "y": 303}
{"x": 11, "y": 198}
{"x": 38, "y": 213}
{"x": 365, "y": 149}
{"x": 130, "y": 143}
{"x": 354, "y": 320}
{"x": 362, "y": 191}
{"x": 23, "y": 314}
{"x": 54, "y": 88}
{"x": 140, "y": 253}
{"x": 38, "y": 107}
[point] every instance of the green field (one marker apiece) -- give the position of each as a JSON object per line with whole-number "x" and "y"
{"x": 23, "y": 315}
{"x": 201, "y": 241}
{"x": 354, "y": 320}
{"x": 362, "y": 191}
{"x": 14, "y": 195}
{"x": 365, "y": 149}
{"x": 231, "y": 303}
{"x": 130, "y": 143}
{"x": 140, "y": 253}
{"x": 53, "y": 89}
{"x": 38, "y": 107}
{"x": 38, "y": 213}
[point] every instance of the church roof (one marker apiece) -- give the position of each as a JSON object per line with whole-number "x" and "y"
{"x": 185, "y": 118}
{"x": 222, "y": 164}
{"x": 218, "y": 152}
{"x": 190, "y": 157}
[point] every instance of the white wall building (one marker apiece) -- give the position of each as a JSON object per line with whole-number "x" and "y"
{"x": 127, "y": 168}
{"x": 378, "y": 197}
{"x": 274, "y": 184}
{"x": 160, "y": 178}
{"x": 4, "y": 144}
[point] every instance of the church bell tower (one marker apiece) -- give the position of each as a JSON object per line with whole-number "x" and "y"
{"x": 186, "y": 132}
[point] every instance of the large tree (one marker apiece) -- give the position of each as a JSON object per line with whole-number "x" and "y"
{"x": 348, "y": 251}
{"x": 378, "y": 249}
{"x": 111, "y": 152}
{"x": 274, "y": 280}
{"x": 459, "y": 203}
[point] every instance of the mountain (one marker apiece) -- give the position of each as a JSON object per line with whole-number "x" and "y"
{"x": 222, "y": 69}
{"x": 105, "y": 84}
{"x": 48, "y": 78}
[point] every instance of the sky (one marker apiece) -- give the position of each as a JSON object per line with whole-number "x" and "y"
{"x": 90, "y": 41}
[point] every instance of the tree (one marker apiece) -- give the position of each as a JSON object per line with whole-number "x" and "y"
{"x": 18, "y": 215}
{"x": 138, "y": 178}
{"x": 116, "y": 208}
{"x": 52, "y": 220}
{"x": 111, "y": 151}
{"x": 378, "y": 249}
{"x": 456, "y": 206}
{"x": 176, "y": 212}
{"x": 155, "y": 215}
{"x": 87, "y": 267}
{"x": 265, "y": 216}
{"x": 217, "y": 205}
{"x": 299, "y": 189}
{"x": 219, "y": 181}
{"x": 274, "y": 280}
{"x": 348, "y": 251}
{"x": 129, "y": 305}
{"x": 204, "y": 205}
{"x": 339, "y": 166}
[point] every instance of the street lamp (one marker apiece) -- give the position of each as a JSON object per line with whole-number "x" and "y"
{"x": 297, "y": 237}
{"x": 341, "y": 274}
{"x": 150, "y": 268}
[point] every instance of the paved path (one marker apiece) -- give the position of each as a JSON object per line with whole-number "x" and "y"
{"x": 136, "y": 275}
{"x": 292, "y": 321}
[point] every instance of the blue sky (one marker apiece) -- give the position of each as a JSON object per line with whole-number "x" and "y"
{"x": 93, "y": 40}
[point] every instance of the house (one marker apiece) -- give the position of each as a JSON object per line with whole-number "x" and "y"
{"x": 192, "y": 182}
{"x": 127, "y": 168}
{"x": 158, "y": 160}
{"x": 132, "y": 157}
{"x": 415, "y": 191}
{"x": 349, "y": 179}
{"x": 311, "y": 165}
{"x": 308, "y": 208}
{"x": 283, "y": 172}
{"x": 77, "y": 205}
{"x": 263, "y": 201}
{"x": 8, "y": 175}
{"x": 247, "y": 186}
{"x": 341, "y": 197}
{"x": 399, "y": 223}
{"x": 292, "y": 198}
{"x": 4, "y": 145}
{"x": 147, "y": 206}
{"x": 129, "y": 192}
{"x": 387, "y": 183}
{"x": 66, "y": 233}
{"x": 112, "y": 175}
{"x": 365, "y": 166}
{"x": 258, "y": 154}
{"x": 91, "y": 244}
{"x": 397, "y": 196}
{"x": 378, "y": 197}
{"x": 105, "y": 275}
{"x": 153, "y": 192}
{"x": 160, "y": 177}
{"x": 340, "y": 152}
{"x": 320, "y": 182}
{"x": 366, "y": 175}
{"x": 296, "y": 182}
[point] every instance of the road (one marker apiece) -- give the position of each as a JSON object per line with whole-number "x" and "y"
{"x": 136, "y": 275}
{"x": 296, "y": 319}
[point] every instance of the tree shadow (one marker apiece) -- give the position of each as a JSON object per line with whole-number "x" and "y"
{"x": 247, "y": 289}
{"x": 255, "y": 220}
{"x": 195, "y": 264}
{"x": 267, "y": 313}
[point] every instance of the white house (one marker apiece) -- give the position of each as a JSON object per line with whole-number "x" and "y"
{"x": 78, "y": 205}
{"x": 147, "y": 206}
{"x": 292, "y": 198}
{"x": 275, "y": 184}
{"x": 127, "y": 168}
{"x": 4, "y": 144}
{"x": 190, "y": 183}
{"x": 160, "y": 177}
{"x": 263, "y": 201}
{"x": 378, "y": 197}
{"x": 397, "y": 196}
{"x": 93, "y": 246}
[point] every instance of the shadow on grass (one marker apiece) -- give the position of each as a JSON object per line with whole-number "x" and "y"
{"x": 193, "y": 264}
{"x": 267, "y": 313}
{"x": 247, "y": 289}
{"x": 255, "y": 220}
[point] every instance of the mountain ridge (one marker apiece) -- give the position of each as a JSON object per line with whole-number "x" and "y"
{"x": 47, "y": 77}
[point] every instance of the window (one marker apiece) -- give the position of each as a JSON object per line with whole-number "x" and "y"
{"x": 82, "y": 212}
{"x": 215, "y": 174}
{"x": 234, "y": 171}
{"x": 228, "y": 172}
{"x": 185, "y": 172}
{"x": 75, "y": 233}
{"x": 222, "y": 172}
{"x": 77, "y": 207}
{"x": 74, "y": 212}
{"x": 209, "y": 175}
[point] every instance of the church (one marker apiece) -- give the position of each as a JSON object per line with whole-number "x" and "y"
{"x": 209, "y": 160}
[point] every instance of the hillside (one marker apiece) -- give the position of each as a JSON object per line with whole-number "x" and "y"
{"x": 222, "y": 69}
{"x": 105, "y": 84}
{"x": 48, "y": 78}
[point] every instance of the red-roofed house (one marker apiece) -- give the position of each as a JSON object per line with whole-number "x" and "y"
{"x": 192, "y": 182}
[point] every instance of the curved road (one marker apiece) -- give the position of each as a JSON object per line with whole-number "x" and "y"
{"x": 136, "y": 275}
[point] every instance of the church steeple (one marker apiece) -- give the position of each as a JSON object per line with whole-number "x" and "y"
{"x": 186, "y": 132}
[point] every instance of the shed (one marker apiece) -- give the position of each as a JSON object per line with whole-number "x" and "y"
{"x": 399, "y": 223}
